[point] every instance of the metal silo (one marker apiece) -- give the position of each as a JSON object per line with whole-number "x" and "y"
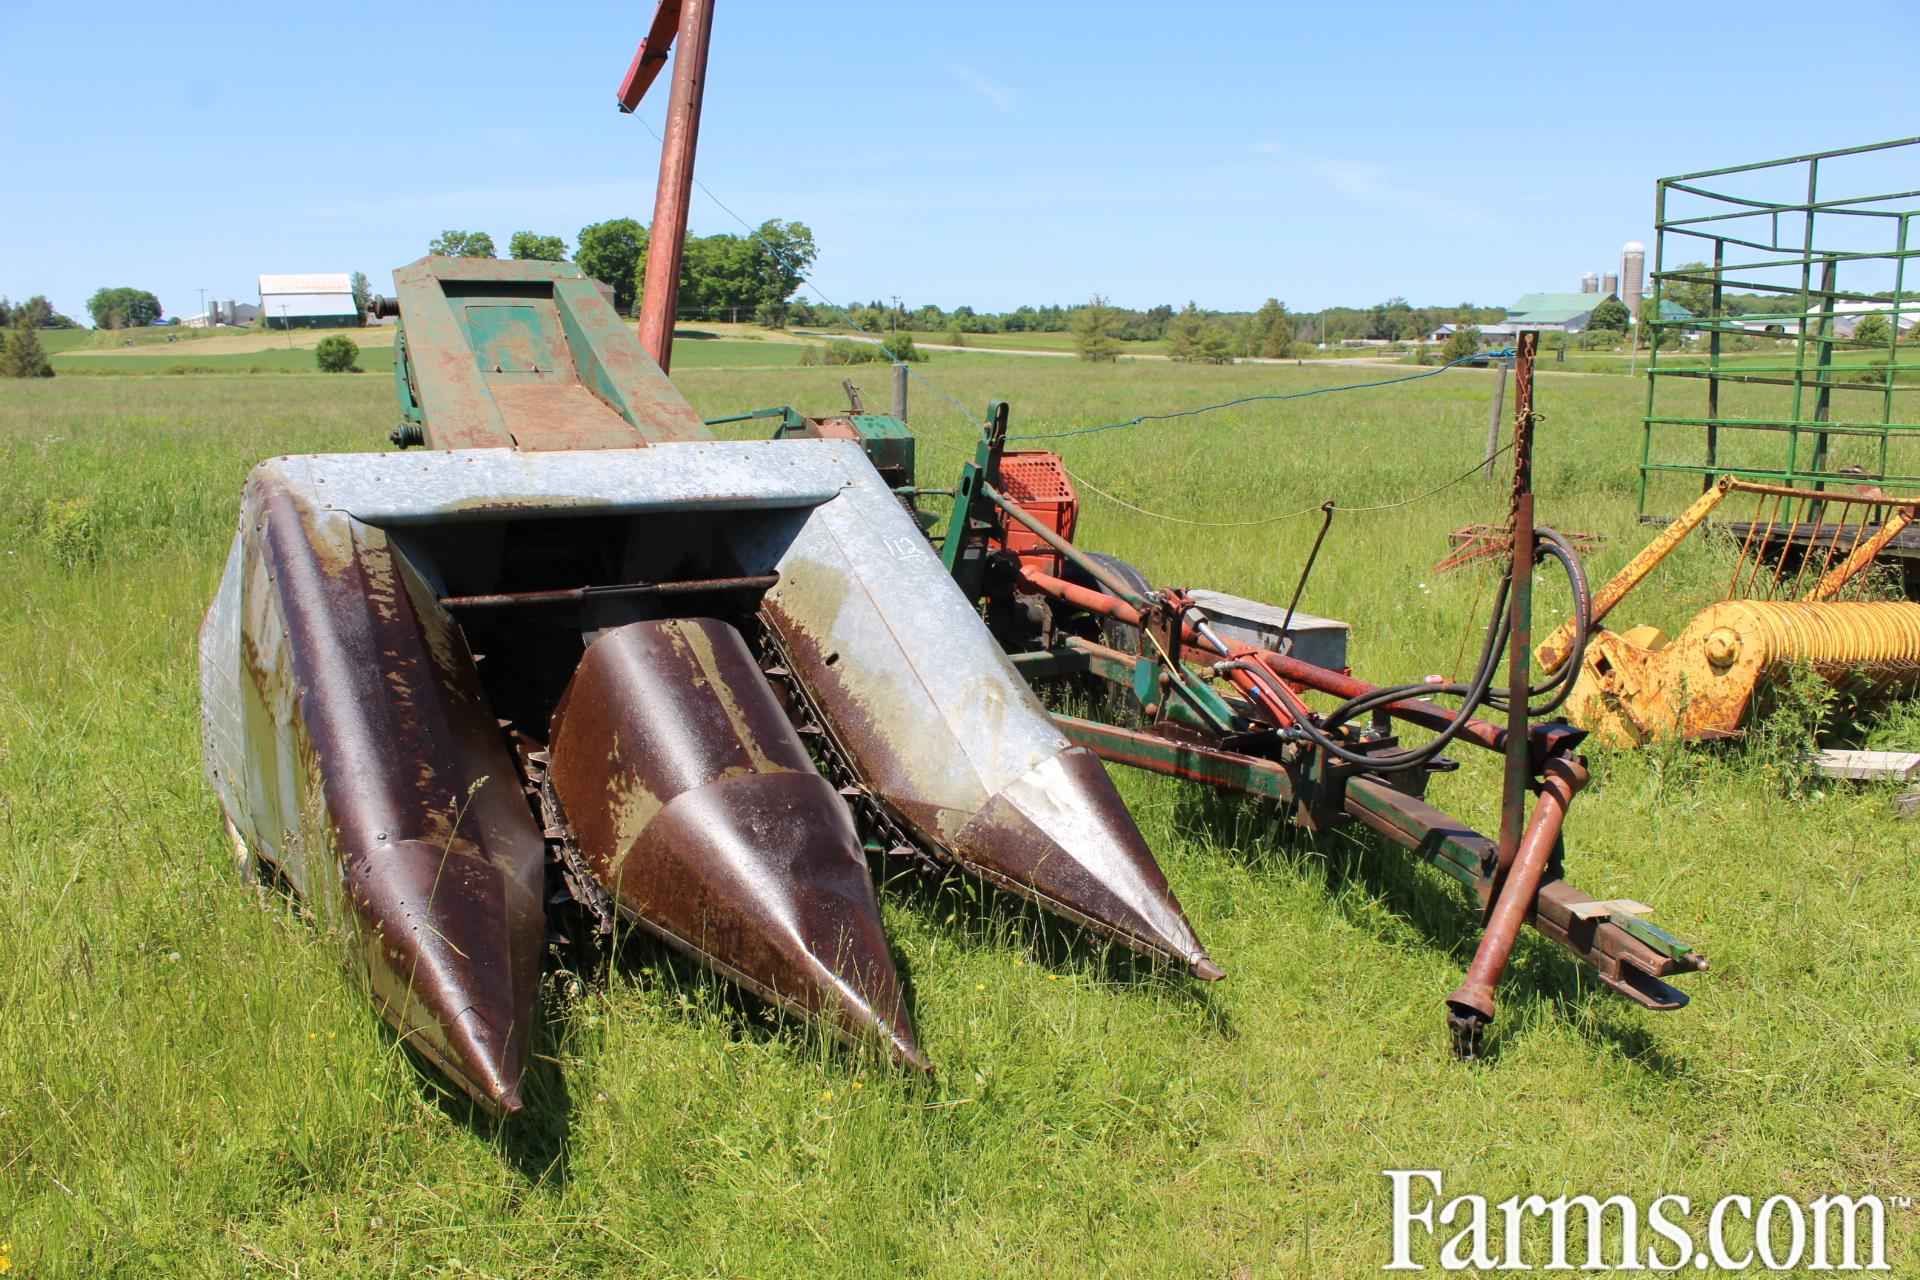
{"x": 1633, "y": 274}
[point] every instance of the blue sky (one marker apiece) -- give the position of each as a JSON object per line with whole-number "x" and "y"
{"x": 979, "y": 153}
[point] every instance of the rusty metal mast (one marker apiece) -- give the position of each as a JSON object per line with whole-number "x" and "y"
{"x": 692, "y": 22}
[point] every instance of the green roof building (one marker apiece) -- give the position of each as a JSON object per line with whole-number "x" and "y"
{"x": 1566, "y": 312}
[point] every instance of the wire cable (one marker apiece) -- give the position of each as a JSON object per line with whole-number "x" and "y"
{"x": 1477, "y": 467}
{"x": 838, "y": 310}
{"x": 1282, "y": 395}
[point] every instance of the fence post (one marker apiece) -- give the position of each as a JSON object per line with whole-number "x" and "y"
{"x": 1493, "y": 417}
{"x": 900, "y": 392}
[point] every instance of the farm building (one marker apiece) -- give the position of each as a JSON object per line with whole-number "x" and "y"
{"x": 228, "y": 312}
{"x": 1846, "y": 317}
{"x": 323, "y": 301}
{"x": 1562, "y": 312}
{"x": 1488, "y": 332}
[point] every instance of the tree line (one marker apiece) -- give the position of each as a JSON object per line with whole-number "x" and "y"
{"x": 35, "y": 313}
{"x": 1212, "y": 333}
{"x": 751, "y": 277}
{"x": 21, "y": 353}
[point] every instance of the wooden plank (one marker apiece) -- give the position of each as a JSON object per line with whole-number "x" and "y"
{"x": 1608, "y": 908}
{"x": 1861, "y": 766}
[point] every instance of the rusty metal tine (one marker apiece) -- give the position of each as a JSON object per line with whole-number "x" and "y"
{"x": 1826, "y": 562}
{"x": 1760, "y": 549}
{"x": 1799, "y": 574}
{"x": 1746, "y": 544}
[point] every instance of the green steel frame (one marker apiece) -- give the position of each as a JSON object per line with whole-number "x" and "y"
{"x": 1776, "y": 248}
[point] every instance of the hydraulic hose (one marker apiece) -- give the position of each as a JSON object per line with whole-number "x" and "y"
{"x": 1475, "y": 693}
{"x": 1557, "y": 687}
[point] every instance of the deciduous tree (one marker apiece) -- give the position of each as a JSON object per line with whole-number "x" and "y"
{"x": 614, "y": 251}
{"x": 781, "y": 254}
{"x": 123, "y": 308}
{"x": 1462, "y": 344}
{"x": 1695, "y": 296}
{"x": 463, "y": 244}
{"x": 1872, "y": 330}
{"x": 720, "y": 277}
{"x": 1611, "y": 315}
{"x": 530, "y": 245}
{"x": 37, "y": 313}
{"x": 336, "y": 353}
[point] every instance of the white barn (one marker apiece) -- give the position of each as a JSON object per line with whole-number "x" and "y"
{"x": 321, "y": 301}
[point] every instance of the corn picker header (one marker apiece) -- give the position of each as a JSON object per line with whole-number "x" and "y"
{"x": 575, "y": 660}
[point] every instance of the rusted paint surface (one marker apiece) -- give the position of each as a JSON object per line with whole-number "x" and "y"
{"x": 566, "y": 375}
{"x": 1639, "y": 686}
{"x": 693, "y": 802}
{"x": 945, "y": 733}
{"x": 667, "y": 240}
{"x": 374, "y": 777}
{"x": 1471, "y": 1004}
{"x": 614, "y": 591}
{"x": 1062, "y": 837}
{"x": 651, "y": 56}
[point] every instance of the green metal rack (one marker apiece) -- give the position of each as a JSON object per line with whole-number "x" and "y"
{"x": 1787, "y": 396}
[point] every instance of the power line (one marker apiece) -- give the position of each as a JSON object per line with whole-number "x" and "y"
{"x": 1286, "y": 395}
{"x": 819, "y": 293}
{"x": 1476, "y": 469}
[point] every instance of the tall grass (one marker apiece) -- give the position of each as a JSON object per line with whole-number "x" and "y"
{"x": 191, "y": 1084}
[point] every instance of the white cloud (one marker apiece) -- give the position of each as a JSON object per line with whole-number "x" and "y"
{"x": 1365, "y": 180}
{"x": 998, "y": 94}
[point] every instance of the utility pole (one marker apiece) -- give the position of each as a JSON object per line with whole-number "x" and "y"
{"x": 203, "y": 308}
{"x": 895, "y": 326}
{"x": 287, "y": 325}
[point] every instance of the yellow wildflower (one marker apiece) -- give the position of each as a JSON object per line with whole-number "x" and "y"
{"x": 826, "y": 1095}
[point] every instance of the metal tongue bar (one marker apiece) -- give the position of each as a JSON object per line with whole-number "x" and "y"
{"x": 691, "y": 800}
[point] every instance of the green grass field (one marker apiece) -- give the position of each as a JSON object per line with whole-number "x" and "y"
{"x": 192, "y": 1085}
{"x": 1062, "y": 342}
{"x": 716, "y": 353}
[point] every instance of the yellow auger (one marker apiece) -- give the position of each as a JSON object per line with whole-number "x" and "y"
{"x": 1638, "y": 685}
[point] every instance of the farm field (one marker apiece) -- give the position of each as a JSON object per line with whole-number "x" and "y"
{"x": 269, "y": 353}
{"x": 1048, "y": 341}
{"x": 192, "y": 1085}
